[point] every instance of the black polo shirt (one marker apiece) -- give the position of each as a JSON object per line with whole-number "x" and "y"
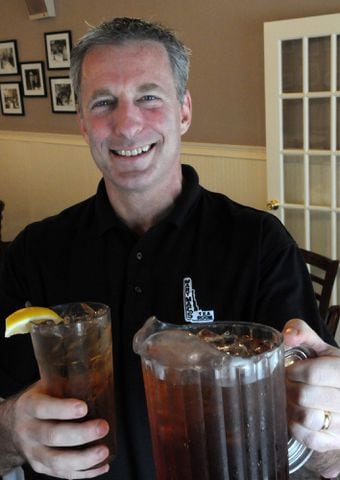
{"x": 210, "y": 258}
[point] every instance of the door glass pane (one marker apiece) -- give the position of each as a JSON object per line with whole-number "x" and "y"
{"x": 320, "y": 228}
{"x": 320, "y": 180}
{"x": 338, "y": 123}
{"x": 293, "y": 179}
{"x": 337, "y": 183}
{"x": 319, "y": 64}
{"x": 294, "y": 222}
{"x": 319, "y": 123}
{"x": 292, "y": 66}
{"x": 338, "y": 63}
{"x": 292, "y": 123}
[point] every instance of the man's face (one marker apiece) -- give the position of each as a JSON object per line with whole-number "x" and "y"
{"x": 130, "y": 115}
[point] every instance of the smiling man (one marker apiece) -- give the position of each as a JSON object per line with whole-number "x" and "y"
{"x": 133, "y": 122}
{"x": 151, "y": 241}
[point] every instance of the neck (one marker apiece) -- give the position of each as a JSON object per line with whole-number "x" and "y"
{"x": 141, "y": 210}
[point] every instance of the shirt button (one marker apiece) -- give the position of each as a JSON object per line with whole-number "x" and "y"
{"x": 138, "y": 289}
{"x": 139, "y": 255}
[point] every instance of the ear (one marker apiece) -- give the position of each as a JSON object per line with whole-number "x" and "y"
{"x": 186, "y": 113}
{"x": 82, "y": 127}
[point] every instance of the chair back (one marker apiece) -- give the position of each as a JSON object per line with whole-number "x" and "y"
{"x": 332, "y": 318}
{"x": 323, "y": 271}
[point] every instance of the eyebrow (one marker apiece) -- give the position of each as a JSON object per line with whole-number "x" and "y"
{"x": 101, "y": 92}
{"x": 146, "y": 87}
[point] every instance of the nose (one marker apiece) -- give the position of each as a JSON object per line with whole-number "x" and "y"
{"x": 127, "y": 120}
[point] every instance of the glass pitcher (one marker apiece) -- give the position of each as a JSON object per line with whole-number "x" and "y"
{"x": 216, "y": 401}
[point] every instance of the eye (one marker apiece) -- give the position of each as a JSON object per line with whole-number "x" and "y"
{"x": 149, "y": 101}
{"x": 103, "y": 103}
{"x": 148, "y": 98}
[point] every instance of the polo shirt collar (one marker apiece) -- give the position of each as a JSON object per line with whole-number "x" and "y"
{"x": 190, "y": 194}
{"x": 107, "y": 218}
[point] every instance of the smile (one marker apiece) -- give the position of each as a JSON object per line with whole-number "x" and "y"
{"x": 134, "y": 152}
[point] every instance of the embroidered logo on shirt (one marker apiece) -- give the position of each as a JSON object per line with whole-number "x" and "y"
{"x": 192, "y": 312}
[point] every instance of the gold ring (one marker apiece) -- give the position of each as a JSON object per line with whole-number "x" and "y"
{"x": 326, "y": 420}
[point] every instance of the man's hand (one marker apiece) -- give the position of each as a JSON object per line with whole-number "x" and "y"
{"x": 38, "y": 425}
{"x": 313, "y": 396}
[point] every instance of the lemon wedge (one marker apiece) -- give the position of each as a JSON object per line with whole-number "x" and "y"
{"x": 20, "y": 320}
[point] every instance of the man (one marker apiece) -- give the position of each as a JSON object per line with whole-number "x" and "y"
{"x": 149, "y": 234}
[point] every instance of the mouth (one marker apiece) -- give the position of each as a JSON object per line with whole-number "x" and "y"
{"x": 134, "y": 152}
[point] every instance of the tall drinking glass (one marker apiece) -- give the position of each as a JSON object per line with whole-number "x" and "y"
{"x": 75, "y": 360}
{"x": 216, "y": 400}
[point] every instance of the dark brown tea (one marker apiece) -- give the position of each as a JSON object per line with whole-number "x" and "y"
{"x": 216, "y": 407}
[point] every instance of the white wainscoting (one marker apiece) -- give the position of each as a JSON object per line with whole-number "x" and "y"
{"x": 41, "y": 173}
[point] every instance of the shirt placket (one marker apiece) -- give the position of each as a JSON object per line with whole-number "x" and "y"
{"x": 138, "y": 285}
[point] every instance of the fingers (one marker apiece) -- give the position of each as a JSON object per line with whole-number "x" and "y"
{"x": 314, "y": 397}
{"x": 318, "y": 441}
{"x": 297, "y": 332}
{"x": 64, "y": 434}
{"x": 42, "y": 406}
{"x": 71, "y": 463}
{"x": 322, "y": 371}
{"x": 314, "y": 419}
{"x": 313, "y": 390}
{"x": 314, "y": 415}
{"x": 45, "y": 435}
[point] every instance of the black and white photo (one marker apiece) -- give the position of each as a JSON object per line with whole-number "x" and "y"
{"x": 33, "y": 79}
{"x": 62, "y": 95}
{"x": 11, "y": 99}
{"x": 58, "y": 50}
{"x": 8, "y": 58}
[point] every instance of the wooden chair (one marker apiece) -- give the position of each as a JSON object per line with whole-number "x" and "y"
{"x": 332, "y": 318}
{"x": 323, "y": 271}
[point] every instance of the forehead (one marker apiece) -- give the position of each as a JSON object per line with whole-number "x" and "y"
{"x": 127, "y": 60}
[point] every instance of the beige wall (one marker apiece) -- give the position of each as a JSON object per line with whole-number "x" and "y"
{"x": 226, "y": 38}
{"x": 45, "y": 173}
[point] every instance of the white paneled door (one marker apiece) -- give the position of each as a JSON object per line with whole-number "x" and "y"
{"x": 302, "y": 81}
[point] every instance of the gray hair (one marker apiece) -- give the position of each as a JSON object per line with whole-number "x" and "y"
{"x": 121, "y": 30}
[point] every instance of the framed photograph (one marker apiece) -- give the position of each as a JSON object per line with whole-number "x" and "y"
{"x": 33, "y": 79}
{"x": 58, "y": 50}
{"x": 11, "y": 99}
{"x": 62, "y": 95}
{"x": 8, "y": 58}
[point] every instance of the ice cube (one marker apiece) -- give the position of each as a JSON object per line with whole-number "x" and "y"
{"x": 237, "y": 345}
{"x": 179, "y": 348}
{"x": 87, "y": 309}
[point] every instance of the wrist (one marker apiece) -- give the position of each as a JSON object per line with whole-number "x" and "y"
{"x": 10, "y": 454}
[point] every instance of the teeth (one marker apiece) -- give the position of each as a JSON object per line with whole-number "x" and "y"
{"x": 134, "y": 152}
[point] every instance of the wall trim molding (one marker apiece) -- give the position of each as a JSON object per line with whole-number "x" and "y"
{"x": 244, "y": 152}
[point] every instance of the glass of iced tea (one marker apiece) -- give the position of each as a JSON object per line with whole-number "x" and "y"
{"x": 216, "y": 400}
{"x": 75, "y": 360}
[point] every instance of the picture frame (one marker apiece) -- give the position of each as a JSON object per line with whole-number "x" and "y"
{"x": 33, "y": 79}
{"x": 62, "y": 95}
{"x": 8, "y": 57}
{"x": 11, "y": 98}
{"x": 58, "y": 49}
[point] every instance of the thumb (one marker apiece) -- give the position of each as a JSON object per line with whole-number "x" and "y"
{"x": 297, "y": 332}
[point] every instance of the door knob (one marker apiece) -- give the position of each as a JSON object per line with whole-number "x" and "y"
{"x": 273, "y": 204}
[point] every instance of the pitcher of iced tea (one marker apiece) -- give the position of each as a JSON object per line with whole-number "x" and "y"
{"x": 216, "y": 401}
